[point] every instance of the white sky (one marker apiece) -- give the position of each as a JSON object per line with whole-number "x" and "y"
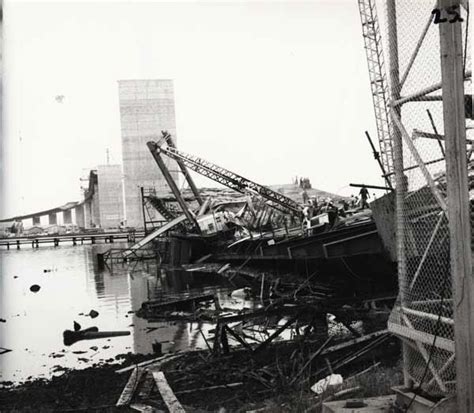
{"x": 269, "y": 90}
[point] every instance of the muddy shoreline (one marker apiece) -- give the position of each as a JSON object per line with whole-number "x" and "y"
{"x": 95, "y": 388}
{"x": 98, "y": 388}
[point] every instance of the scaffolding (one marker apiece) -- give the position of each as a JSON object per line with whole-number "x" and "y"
{"x": 428, "y": 49}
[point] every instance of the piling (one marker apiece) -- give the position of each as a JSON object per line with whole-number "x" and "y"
{"x": 101, "y": 261}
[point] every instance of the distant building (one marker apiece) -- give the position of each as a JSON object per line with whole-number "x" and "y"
{"x": 146, "y": 108}
{"x": 110, "y": 195}
{"x": 91, "y": 202}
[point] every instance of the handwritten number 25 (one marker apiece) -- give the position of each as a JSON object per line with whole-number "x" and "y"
{"x": 451, "y": 11}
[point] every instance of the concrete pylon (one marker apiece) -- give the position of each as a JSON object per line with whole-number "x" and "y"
{"x": 79, "y": 212}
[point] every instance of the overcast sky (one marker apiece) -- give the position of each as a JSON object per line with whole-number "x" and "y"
{"x": 269, "y": 90}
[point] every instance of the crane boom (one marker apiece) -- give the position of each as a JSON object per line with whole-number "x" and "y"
{"x": 228, "y": 178}
{"x": 378, "y": 80}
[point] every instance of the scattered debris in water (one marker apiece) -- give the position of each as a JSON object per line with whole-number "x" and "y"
{"x": 93, "y": 314}
{"x": 90, "y": 333}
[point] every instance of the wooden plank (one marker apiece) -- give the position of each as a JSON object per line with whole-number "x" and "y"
{"x": 446, "y": 365}
{"x": 263, "y": 345}
{"x": 156, "y": 304}
{"x": 414, "y": 152}
{"x": 353, "y": 342}
{"x": 203, "y": 258}
{"x": 415, "y": 52}
{"x": 422, "y": 337}
{"x": 313, "y": 356}
{"x": 452, "y": 78}
{"x": 237, "y": 337}
{"x": 150, "y": 237}
{"x": 158, "y": 360}
{"x": 174, "y": 406}
{"x": 429, "y": 316}
{"x": 353, "y": 377}
{"x": 422, "y": 350}
{"x": 129, "y": 389}
{"x": 144, "y": 408}
{"x": 220, "y": 386}
{"x": 427, "y": 249}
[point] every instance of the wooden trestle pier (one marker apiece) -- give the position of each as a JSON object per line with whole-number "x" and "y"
{"x": 71, "y": 239}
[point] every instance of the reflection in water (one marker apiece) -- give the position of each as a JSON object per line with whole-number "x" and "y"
{"x": 35, "y": 322}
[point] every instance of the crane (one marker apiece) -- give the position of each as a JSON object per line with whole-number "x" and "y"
{"x": 378, "y": 82}
{"x": 227, "y": 178}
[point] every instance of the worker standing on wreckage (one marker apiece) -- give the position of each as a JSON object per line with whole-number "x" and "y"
{"x": 364, "y": 195}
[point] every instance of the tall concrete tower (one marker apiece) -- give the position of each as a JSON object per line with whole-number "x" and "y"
{"x": 110, "y": 195}
{"x": 146, "y": 108}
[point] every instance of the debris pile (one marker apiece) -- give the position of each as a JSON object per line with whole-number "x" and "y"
{"x": 201, "y": 380}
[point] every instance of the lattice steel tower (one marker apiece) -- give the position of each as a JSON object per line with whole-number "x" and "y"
{"x": 378, "y": 80}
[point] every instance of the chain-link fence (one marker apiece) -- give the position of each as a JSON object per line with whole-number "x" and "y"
{"x": 423, "y": 314}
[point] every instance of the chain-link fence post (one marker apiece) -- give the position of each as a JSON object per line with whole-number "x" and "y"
{"x": 400, "y": 181}
{"x": 452, "y": 71}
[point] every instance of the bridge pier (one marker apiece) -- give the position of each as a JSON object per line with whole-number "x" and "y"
{"x": 92, "y": 240}
{"x": 74, "y": 241}
{"x": 18, "y": 245}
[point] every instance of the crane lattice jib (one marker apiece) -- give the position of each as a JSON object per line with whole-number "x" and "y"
{"x": 230, "y": 179}
{"x": 378, "y": 79}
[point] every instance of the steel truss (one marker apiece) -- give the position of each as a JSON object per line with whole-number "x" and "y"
{"x": 231, "y": 179}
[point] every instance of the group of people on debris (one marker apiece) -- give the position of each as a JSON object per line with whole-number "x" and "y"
{"x": 313, "y": 208}
{"x": 354, "y": 203}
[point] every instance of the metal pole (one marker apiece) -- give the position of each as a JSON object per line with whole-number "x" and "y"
{"x": 185, "y": 172}
{"x": 433, "y": 125}
{"x": 143, "y": 208}
{"x": 400, "y": 180}
{"x": 152, "y": 146}
{"x": 458, "y": 205}
{"x": 377, "y": 158}
{"x": 386, "y": 188}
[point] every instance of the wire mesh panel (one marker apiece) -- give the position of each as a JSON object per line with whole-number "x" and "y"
{"x": 423, "y": 315}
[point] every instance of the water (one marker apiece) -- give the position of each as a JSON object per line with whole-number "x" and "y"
{"x": 72, "y": 285}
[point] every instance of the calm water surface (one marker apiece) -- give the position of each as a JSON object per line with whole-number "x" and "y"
{"x": 72, "y": 285}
